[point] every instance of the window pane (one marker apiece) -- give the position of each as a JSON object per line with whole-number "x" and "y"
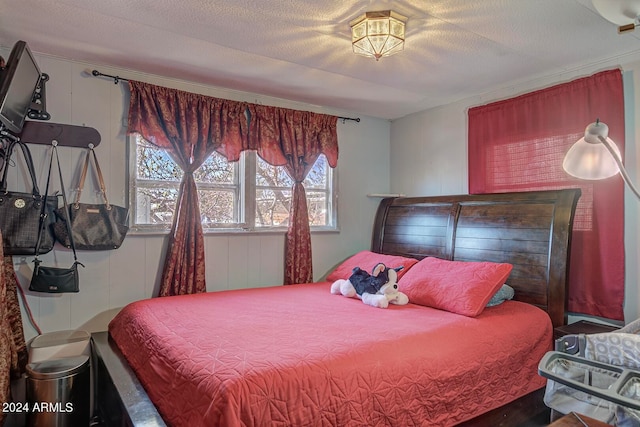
{"x": 216, "y": 207}
{"x": 155, "y": 164}
{"x": 155, "y": 205}
{"x": 216, "y": 169}
{"x": 271, "y": 176}
{"x": 317, "y": 177}
{"x": 272, "y": 207}
{"x": 276, "y": 176}
{"x": 317, "y": 207}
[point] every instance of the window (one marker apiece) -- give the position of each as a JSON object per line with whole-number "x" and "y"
{"x": 249, "y": 194}
{"x": 273, "y": 194}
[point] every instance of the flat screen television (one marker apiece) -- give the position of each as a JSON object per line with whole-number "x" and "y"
{"x": 18, "y": 82}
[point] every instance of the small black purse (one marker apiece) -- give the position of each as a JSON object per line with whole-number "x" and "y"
{"x": 55, "y": 279}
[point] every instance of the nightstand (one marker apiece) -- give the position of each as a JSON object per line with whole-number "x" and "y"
{"x": 577, "y": 420}
{"x": 581, "y": 327}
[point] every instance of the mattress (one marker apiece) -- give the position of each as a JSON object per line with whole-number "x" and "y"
{"x": 299, "y": 356}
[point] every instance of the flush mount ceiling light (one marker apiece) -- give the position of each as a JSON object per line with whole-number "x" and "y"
{"x": 378, "y": 34}
{"x": 623, "y": 13}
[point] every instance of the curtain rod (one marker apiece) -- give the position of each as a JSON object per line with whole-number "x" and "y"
{"x": 118, "y": 79}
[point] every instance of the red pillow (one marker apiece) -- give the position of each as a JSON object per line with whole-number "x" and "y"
{"x": 456, "y": 286}
{"x": 366, "y": 260}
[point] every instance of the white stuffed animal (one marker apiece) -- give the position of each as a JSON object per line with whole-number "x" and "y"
{"x": 377, "y": 289}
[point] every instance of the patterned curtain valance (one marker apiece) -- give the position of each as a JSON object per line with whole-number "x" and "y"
{"x": 166, "y": 117}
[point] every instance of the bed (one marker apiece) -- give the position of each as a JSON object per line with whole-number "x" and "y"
{"x": 297, "y": 355}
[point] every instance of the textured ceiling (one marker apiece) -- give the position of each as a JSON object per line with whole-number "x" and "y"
{"x": 300, "y": 50}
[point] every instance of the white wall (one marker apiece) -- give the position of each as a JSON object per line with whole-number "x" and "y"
{"x": 429, "y": 152}
{"x": 432, "y": 145}
{"x": 114, "y": 278}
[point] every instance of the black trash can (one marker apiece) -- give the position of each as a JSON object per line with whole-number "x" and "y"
{"x": 58, "y": 392}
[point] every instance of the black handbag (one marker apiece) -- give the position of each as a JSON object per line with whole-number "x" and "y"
{"x": 55, "y": 279}
{"x": 23, "y": 214}
{"x": 95, "y": 227}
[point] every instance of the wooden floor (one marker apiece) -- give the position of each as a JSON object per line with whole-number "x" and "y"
{"x": 542, "y": 420}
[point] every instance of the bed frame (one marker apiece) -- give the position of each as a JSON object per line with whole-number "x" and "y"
{"x": 530, "y": 230}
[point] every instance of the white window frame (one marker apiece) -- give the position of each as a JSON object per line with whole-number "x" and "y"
{"x": 246, "y": 196}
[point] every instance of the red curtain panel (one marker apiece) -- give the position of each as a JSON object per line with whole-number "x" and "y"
{"x": 190, "y": 127}
{"x": 294, "y": 139}
{"x": 519, "y": 144}
{"x": 13, "y": 349}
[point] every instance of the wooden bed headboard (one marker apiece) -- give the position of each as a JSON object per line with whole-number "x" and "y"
{"x": 530, "y": 230}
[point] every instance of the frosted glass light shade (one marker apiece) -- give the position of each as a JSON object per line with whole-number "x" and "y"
{"x": 378, "y": 34}
{"x": 585, "y": 160}
{"x": 588, "y": 158}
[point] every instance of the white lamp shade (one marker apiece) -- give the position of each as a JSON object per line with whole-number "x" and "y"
{"x": 620, "y": 12}
{"x": 588, "y": 160}
{"x": 596, "y": 157}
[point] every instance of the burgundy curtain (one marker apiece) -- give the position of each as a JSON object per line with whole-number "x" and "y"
{"x": 294, "y": 139}
{"x": 13, "y": 349}
{"x": 190, "y": 127}
{"x": 519, "y": 144}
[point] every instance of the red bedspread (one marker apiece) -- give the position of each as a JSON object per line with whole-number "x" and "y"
{"x": 299, "y": 356}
